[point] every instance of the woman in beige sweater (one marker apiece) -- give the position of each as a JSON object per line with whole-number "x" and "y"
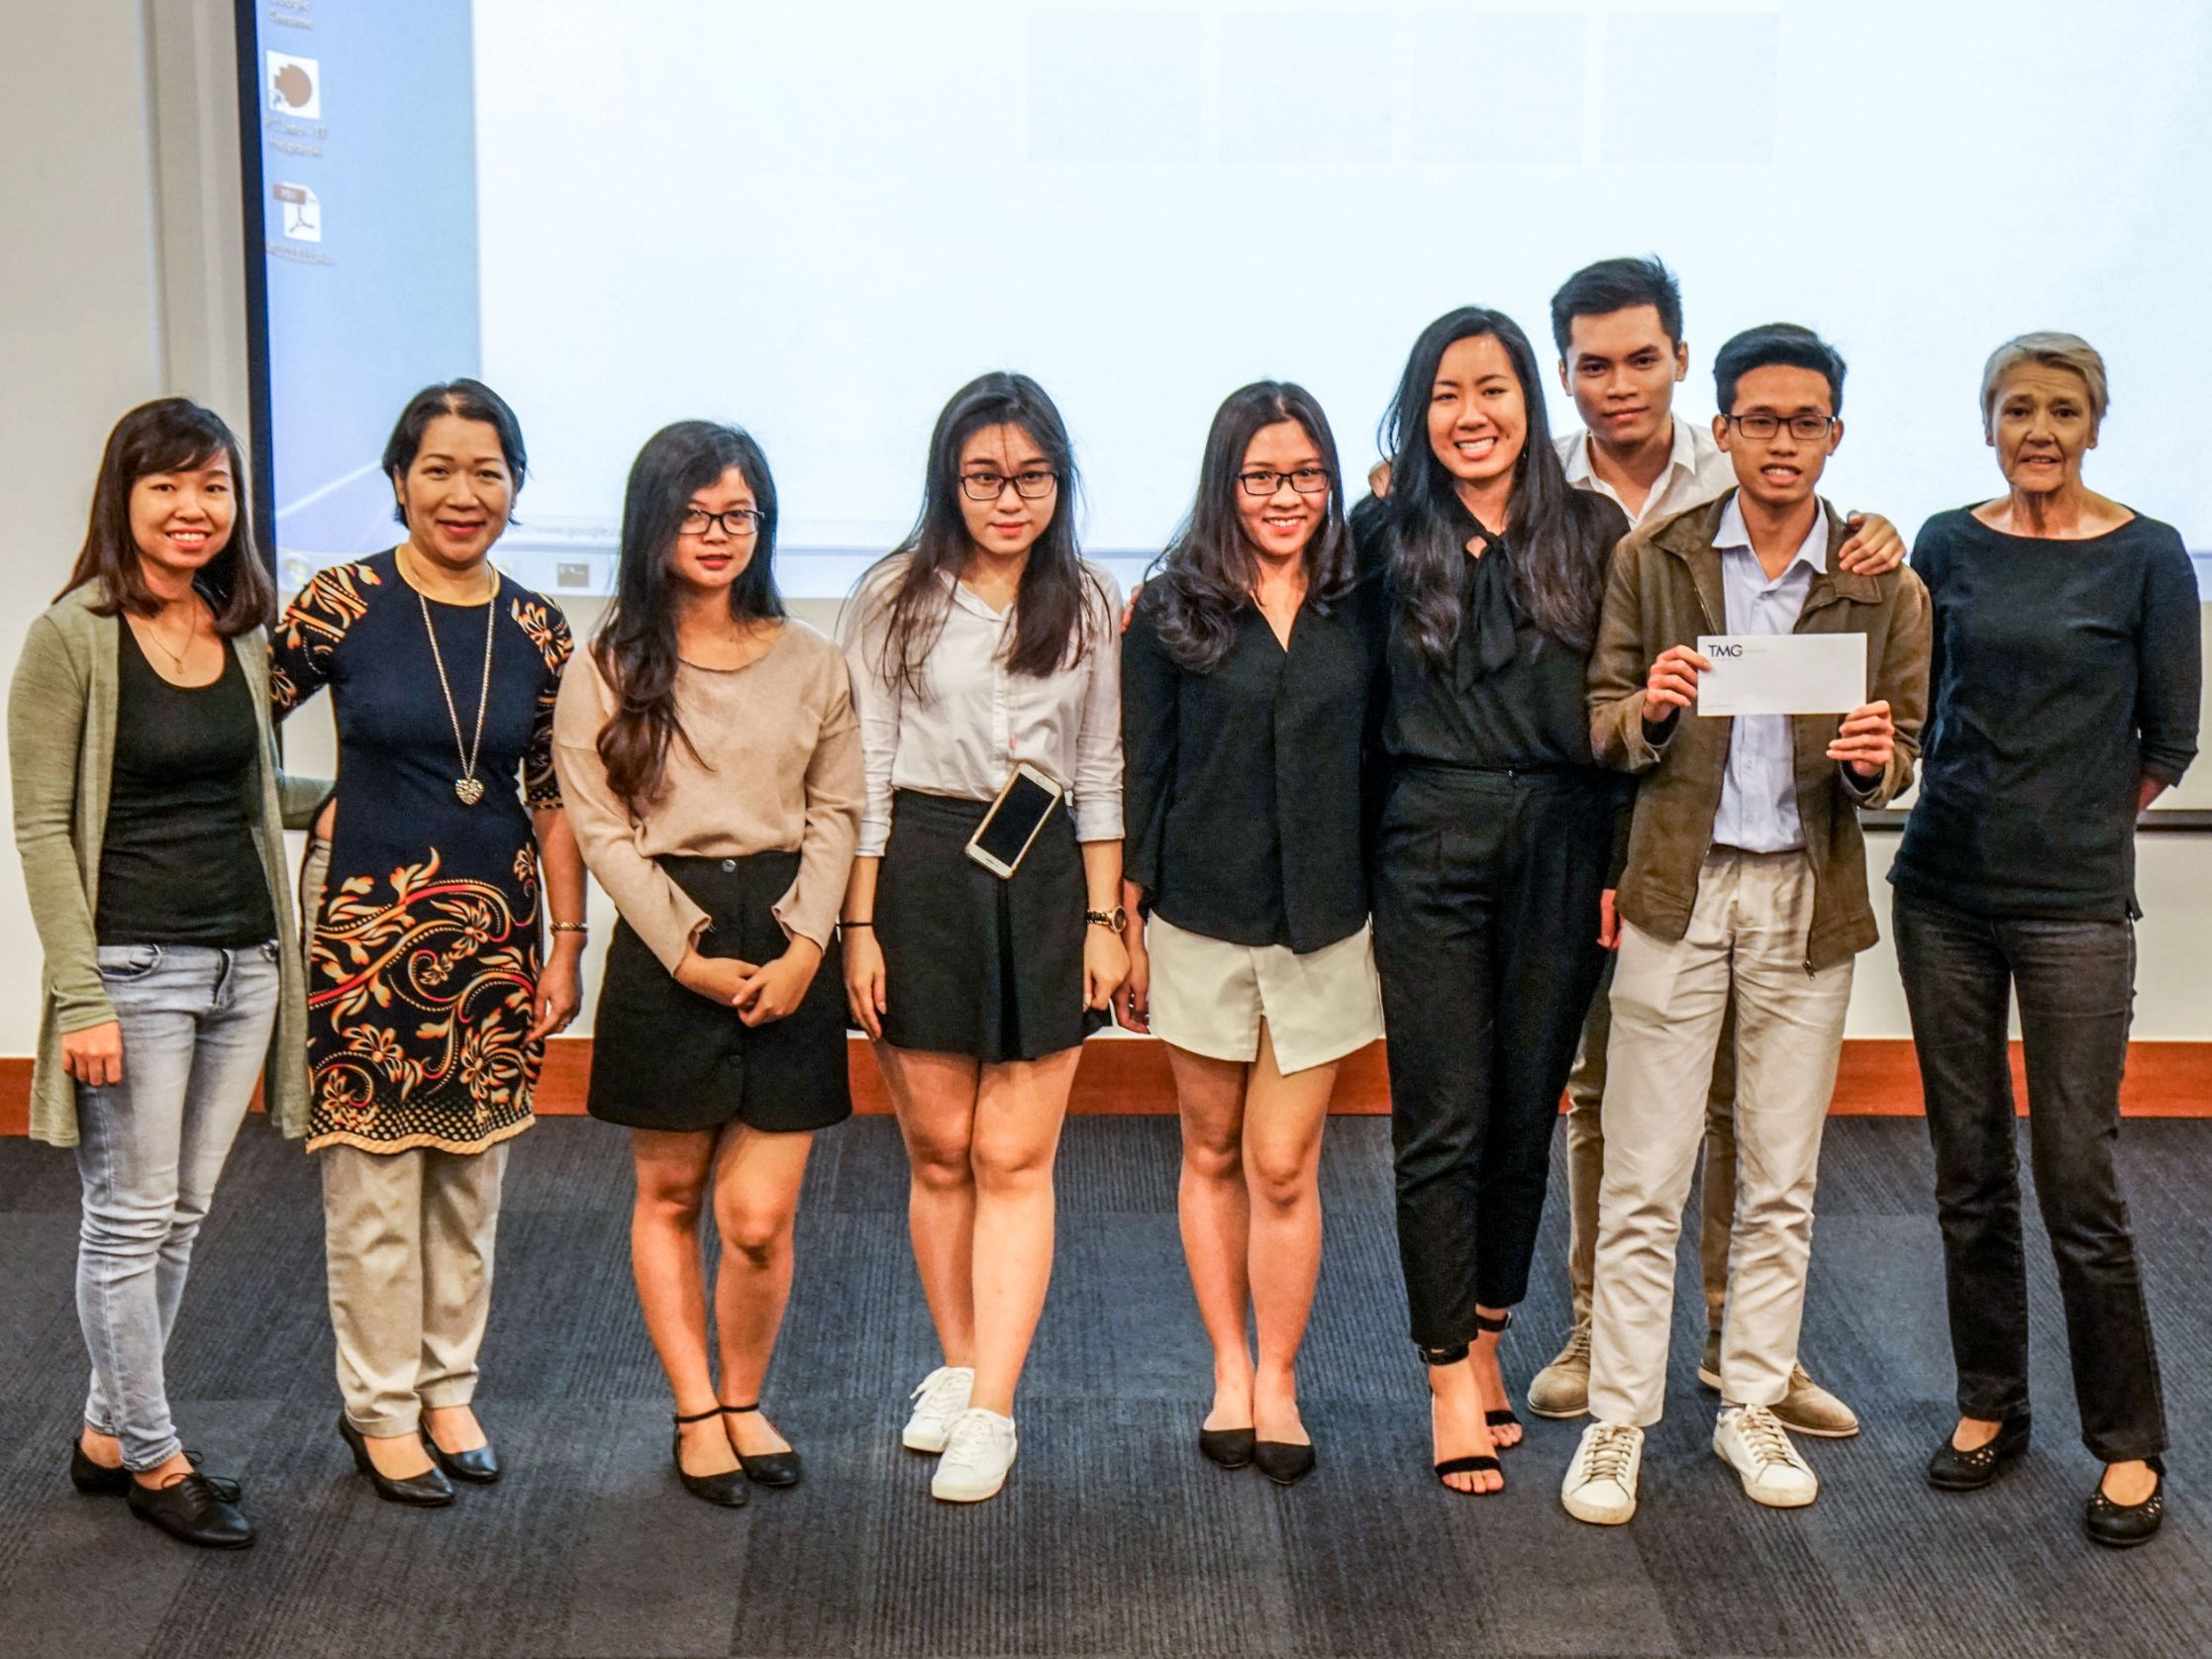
{"x": 711, "y": 763}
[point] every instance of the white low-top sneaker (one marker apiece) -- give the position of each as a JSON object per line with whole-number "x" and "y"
{"x": 977, "y": 1455}
{"x": 1600, "y": 1484}
{"x": 1752, "y": 1441}
{"x": 942, "y": 1397}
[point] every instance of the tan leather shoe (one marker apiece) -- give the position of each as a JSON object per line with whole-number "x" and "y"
{"x": 1562, "y": 1388}
{"x": 1809, "y": 1409}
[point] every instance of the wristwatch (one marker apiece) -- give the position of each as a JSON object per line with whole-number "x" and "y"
{"x": 1114, "y": 919}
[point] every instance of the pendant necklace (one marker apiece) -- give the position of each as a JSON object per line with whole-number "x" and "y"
{"x": 469, "y": 786}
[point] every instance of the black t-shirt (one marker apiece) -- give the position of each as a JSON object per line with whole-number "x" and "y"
{"x": 177, "y": 859}
{"x": 1242, "y": 788}
{"x": 1512, "y": 698}
{"x": 2063, "y": 673}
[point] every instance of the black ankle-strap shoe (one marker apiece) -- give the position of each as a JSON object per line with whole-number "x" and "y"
{"x": 726, "y": 1488}
{"x": 765, "y": 1468}
{"x": 190, "y": 1509}
{"x": 1952, "y": 1470}
{"x": 2125, "y": 1526}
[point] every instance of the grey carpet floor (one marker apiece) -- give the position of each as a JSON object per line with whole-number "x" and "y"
{"x": 1113, "y": 1537}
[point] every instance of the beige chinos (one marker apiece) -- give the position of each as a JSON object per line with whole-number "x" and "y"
{"x": 409, "y": 1237}
{"x": 1746, "y": 941}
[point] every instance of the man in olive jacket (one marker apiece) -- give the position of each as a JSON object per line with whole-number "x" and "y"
{"x": 1747, "y": 884}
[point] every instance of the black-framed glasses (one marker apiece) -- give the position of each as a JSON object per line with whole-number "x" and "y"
{"x": 1806, "y": 428}
{"x": 989, "y": 486}
{"x": 736, "y": 524}
{"x": 1306, "y": 480}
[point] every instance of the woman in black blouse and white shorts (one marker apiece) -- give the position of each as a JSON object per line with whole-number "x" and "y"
{"x": 983, "y": 643}
{"x": 1246, "y": 683}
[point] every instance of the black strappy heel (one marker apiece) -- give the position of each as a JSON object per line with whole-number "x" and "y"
{"x": 1484, "y": 1465}
{"x": 766, "y": 1468}
{"x": 1498, "y": 1418}
{"x": 726, "y": 1488}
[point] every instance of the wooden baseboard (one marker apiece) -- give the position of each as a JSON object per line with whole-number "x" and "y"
{"x": 1877, "y": 1078}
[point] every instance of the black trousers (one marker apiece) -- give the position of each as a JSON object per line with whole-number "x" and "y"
{"x": 1485, "y": 929}
{"x": 2075, "y": 981}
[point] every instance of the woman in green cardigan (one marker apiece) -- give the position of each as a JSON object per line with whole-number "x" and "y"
{"x": 149, "y": 813}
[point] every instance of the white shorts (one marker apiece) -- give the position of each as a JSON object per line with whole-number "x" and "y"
{"x": 1208, "y": 996}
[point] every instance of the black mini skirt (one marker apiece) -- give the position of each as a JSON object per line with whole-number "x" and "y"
{"x": 666, "y": 1058}
{"x": 973, "y": 964}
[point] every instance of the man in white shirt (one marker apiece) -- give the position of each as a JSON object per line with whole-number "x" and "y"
{"x": 1618, "y": 325}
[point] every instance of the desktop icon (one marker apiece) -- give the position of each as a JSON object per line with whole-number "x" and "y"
{"x": 303, "y": 212}
{"x": 295, "y": 86}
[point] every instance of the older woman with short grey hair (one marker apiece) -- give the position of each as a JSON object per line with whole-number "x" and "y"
{"x": 2064, "y": 698}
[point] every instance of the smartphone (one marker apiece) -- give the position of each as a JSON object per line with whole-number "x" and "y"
{"x": 1003, "y": 837}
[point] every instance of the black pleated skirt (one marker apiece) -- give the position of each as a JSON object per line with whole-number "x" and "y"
{"x": 974, "y": 965}
{"x": 666, "y": 1058}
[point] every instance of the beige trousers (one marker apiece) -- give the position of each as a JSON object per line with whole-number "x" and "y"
{"x": 1745, "y": 945}
{"x": 409, "y": 1240}
{"x": 1585, "y": 1159}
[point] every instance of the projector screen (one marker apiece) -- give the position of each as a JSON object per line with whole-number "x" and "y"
{"x": 819, "y": 219}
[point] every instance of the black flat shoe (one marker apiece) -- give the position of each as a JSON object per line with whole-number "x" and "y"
{"x": 1952, "y": 1470}
{"x": 726, "y": 1488}
{"x": 1231, "y": 1448}
{"x": 2125, "y": 1526}
{"x": 97, "y": 1480}
{"x": 1281, "y": 1461}
{"x": 428, "y": 1489}
{"x": 765, "y": 1468}
{"x": 479, "y": 1466}
{"x": 191, "y": 1510}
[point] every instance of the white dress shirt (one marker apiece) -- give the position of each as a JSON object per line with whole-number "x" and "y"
{"x": 1758, "y": 792}
{"x": 1696, "y": 472}
{"x": 977, "y": 718}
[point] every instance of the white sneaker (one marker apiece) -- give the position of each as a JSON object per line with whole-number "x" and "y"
{"x": 1752, "y": 1441}
{"x": 977, "y": 1455}
{"x": 942, "y": 1397}
{"x": 1600, "y": 1484}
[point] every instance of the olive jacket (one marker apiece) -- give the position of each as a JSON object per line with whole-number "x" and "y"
{"x": 61, "y": 755}
{"x": 1665, "y": 588}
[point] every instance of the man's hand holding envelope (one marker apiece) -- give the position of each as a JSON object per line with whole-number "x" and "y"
{"x": 1777, "y": 674}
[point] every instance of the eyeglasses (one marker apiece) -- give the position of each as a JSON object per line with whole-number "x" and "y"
{"x": 1806, "y": 428}
{"x": 989, "y": 486}
{"x": 1306, "y": 480}
{"x": 736, "y": 524}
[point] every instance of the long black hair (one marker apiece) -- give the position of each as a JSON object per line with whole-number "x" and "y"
{"x": 1054, "y": 608}
{"x": 1206, "y": 574}
{"x": 1560, "y": 533}
{"x": 170, "y": 435}
{"x": 636, "y": 645}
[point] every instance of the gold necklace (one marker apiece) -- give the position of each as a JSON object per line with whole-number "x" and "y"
{"x": 469, "y": 786}
{"x": 191, "y": 633}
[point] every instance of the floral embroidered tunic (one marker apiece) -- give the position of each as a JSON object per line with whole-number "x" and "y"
{"x": 423, "y": 956}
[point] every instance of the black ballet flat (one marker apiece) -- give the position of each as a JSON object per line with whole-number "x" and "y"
{"x": 726, "y": 1488}
{"x": 430, "y": 1490}
{"x": 479, "y": 1465}
{"x": 1952, "y": 1469}
{"x": 1228, "y": 1448}
{"x": 97, "y": 1480}
{"x": 766, "y": 1468}
{"x": 191, "y": 1510}
{"x": 2125, "y": 1526}
{"x": 1282, "y": 1461}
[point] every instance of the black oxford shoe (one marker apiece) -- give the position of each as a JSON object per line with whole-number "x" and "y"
{"x": 191, "y": 1510}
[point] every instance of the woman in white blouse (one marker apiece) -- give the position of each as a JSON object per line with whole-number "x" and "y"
{"x": 706, "y": 747}
{"x": 985, "y": 642}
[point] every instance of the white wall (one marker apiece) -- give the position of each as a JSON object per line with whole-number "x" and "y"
{"x": 120, "y": 279}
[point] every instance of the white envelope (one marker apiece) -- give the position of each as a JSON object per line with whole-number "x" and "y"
{"x": 1782, "y": 673}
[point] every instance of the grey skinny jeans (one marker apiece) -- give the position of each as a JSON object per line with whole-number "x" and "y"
{"x": 196, "y": 1023}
